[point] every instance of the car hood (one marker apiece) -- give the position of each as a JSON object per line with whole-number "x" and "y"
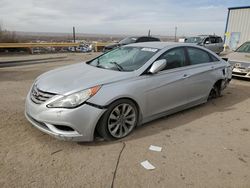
{"x": 239, "y": 57}
{"x": 78, "y": 77}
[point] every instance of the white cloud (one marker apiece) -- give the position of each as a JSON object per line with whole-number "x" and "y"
{"x": 114, "y": 16}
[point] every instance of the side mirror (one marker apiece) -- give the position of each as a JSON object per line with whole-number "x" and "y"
{"x": 158, "y": 66}
{"x": 207, "y": 42}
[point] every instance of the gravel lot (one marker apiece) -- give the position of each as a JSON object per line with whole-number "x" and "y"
{"x": 206, "y": 146}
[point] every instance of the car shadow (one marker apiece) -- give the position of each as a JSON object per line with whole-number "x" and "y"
{"x": 241, "y": 78}
{"x": 231, "y": 96}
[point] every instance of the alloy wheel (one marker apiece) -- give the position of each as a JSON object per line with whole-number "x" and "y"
{"x": 122, "y": 120}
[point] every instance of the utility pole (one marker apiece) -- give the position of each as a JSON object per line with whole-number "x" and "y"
{"x": 74, "y": 36}
{"x": 175, "y": 33}
{"x": 149, "y": 33}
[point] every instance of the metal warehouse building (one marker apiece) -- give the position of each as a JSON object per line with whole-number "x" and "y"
{"x": 237, "y": 27}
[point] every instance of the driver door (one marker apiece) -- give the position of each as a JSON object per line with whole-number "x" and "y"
{"x": 166, "y": 90}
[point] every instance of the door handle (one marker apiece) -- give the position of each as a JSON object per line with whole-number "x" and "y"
{"x": 212, "y": 67}
{"x": 185, "y": 76}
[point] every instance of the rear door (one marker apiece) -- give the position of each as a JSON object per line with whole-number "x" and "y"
{"x": 212, "y": 44}
{"x": 219, "y": 45}
{"x": 200, "y": 74}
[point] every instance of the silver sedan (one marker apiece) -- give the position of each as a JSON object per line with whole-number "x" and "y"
{"x": 126, "y": 87}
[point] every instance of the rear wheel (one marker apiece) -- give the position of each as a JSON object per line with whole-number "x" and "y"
{"x": 119, "y": 120}
{"x": 215, "y": 91}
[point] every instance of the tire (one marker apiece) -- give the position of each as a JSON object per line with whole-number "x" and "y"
{"x": 119, "y": 120}
{"x": 215, "y": 91}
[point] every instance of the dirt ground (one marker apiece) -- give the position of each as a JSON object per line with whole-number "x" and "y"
{"x": 206, "y": 146}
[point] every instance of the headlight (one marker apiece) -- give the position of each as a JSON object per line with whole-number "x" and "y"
{"x": 75, "y": 99}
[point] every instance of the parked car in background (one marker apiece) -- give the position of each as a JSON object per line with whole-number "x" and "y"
{"x": 130, "y": 40}
{"x": 124, "y": 88}
{"x": 84, "y": 48}
{"x": 211, "y": 42}
{"x": 240, "y": 60}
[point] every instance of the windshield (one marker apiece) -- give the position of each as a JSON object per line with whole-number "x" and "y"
{"x": 244, "y": 48}
{"x": 124, "y": 58}
{"x": 194, "y": 40}
{"x": 128, "y": 40}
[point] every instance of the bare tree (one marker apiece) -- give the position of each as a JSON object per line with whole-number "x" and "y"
{"x": 1, "y": 32}
{"x": 7, "y": 36}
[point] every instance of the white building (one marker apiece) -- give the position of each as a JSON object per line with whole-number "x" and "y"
{"x": 237, "y": 26}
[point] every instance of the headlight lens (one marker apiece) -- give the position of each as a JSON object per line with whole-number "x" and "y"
{"x": 75, "y": 99}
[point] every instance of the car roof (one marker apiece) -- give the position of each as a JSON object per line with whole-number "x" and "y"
{"x": 208, "y": 36}
{"x": 160, "y": 45}
{"x": 140, "y": 37}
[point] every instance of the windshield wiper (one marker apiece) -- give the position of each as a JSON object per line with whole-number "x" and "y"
{"x": 119, "y": 67}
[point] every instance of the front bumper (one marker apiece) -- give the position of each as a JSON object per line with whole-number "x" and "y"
{"x": 241, "y": 72}
{"x": 76, "y": 124}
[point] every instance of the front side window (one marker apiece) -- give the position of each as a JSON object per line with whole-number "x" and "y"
{"x": 175, "y": 58}
{"x": 207, "y": 40}
{"x": 198, "y": 56}
{"x": 124, "y": 58}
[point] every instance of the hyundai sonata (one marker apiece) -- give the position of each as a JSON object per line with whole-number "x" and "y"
{"x": 115, "y": 92}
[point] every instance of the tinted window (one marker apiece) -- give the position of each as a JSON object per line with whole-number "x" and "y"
{"x": 153, "y": 39}
{"x": 175, "y": 58}
{"x": 142, "y": 39}
{"x": 147, "y": 39}
{"x": 212, "y": 40}
{"x": 218, "y": 40}
{"x": 197, "y": 56}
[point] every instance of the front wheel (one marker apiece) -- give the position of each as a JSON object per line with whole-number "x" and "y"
{"x": 119, "y": 120}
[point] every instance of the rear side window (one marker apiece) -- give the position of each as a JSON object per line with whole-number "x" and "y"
{"x": 147, "y": 39}
{"x": 175, "y": 58}
{"x": 218, "y": 40}
{"x": 197, "y": 56}
{"x": 212, "y": 40}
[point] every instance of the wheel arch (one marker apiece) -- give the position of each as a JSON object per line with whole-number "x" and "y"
{"x": 115, "y": 100}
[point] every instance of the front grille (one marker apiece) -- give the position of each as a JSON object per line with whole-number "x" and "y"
{"x": 38, "y": 96}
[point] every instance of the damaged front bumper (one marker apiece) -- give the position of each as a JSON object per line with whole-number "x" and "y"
{"x": 76, "y": 124}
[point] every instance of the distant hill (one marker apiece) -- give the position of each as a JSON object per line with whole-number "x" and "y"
{"x": 51, "y": 36}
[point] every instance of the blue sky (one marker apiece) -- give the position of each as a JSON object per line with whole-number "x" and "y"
{"x": 129, "y": 17}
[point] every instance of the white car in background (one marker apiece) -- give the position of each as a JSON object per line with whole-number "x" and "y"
{"x": 240, "y": 61}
